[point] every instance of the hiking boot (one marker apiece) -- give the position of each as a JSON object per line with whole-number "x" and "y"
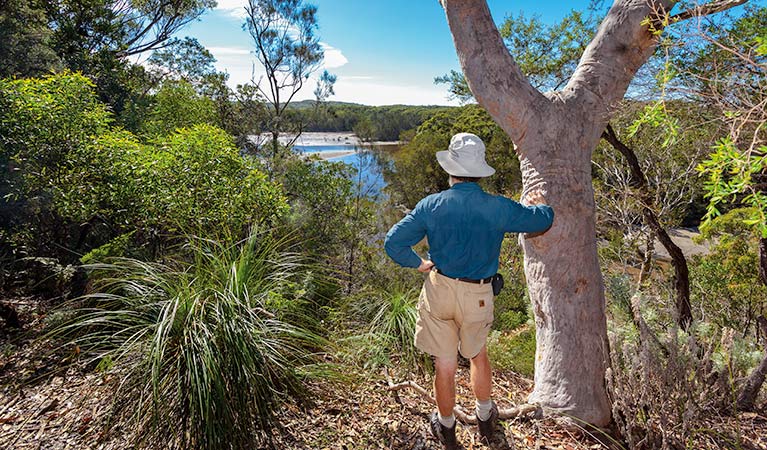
{"x": 487, "y": 427}
{"x": 443, "y": 434}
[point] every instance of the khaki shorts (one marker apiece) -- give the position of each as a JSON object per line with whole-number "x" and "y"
{"x": 453, "y": 315}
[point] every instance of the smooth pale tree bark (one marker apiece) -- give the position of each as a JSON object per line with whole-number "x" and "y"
{"x": 555, "y": 134}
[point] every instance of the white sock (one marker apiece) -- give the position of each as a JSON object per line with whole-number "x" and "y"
{"x": 483, "y": 409}
{"x": 448, "y": 421}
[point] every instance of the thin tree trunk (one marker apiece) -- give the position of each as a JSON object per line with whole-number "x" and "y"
{"x": 754, "y": 382}
{"x": 647, "y": 259}
{"x": 682, "y": 273}
{"x": 763, "y": 260}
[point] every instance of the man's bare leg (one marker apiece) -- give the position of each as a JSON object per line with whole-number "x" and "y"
{"x": 481, "y": 376}
{"x": 444, "y": 384}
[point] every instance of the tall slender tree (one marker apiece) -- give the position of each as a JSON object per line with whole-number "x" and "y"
{"x": 287, "y": 46}
{"x": 555, "y": 134}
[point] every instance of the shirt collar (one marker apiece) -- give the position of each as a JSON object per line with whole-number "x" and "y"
{"x": 466, "y": 186}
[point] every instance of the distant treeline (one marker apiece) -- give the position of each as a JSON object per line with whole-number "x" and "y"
{"x": 378, "y": 123}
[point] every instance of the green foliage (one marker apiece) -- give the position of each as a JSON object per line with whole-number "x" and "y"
{"x": 618, "y": 291}
{"x": 513, "y": 303}
{"x": 186, "y": 60}
{"x": 97, "y": 37}
{"x": 725, "y": 282}
{"x": 71, "y": 182}
{"x": 513, "y": 351}
{"x": 25, "y": 40}
{"x": 546, "y": 53}
{"x": 384, "y": 326}
{"x": 117, "y": 247}
{"x": 288, "y": 48}
{"x": 416, "y": 172}
{"x": 373, "y": 123}
{"x": 737, "y": 177}
{"x": 320, "y": 195}
{"x": 193, "y": 181}
{"x": 178, "y": 105}
{"x": 43, "y": 122}
{"x": 196, "y": 181}
{"x": 204, "y": 355}
{"x": 458, "y": 87}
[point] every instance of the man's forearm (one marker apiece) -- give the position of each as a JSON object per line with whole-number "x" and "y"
{"x": 402, "y": 255}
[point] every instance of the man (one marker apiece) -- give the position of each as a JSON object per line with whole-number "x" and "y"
{"x": 465, "y": 228}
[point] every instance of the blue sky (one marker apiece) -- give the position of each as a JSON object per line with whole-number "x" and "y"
{"x": 383, "y": 52}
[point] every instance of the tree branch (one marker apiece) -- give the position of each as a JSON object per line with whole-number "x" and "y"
{"x": 706, "y": 9}
{"x": 623, "y": 43}
{"x": 763, "y": 262}
{"x": 492, "y": 74}
{"x": 678, "y": 260}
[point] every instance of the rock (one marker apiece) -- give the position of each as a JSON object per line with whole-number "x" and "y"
{"x": 43, "y": 276}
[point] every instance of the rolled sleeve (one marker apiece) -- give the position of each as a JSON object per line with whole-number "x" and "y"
{"x": 403, "y": 236}
{"x": 528, "y": 219}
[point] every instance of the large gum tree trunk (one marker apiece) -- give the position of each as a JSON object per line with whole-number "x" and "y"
{"x": 566, "y": 289}
{"x": 555, "y": 135}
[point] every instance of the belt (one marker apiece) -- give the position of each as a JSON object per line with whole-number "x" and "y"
{"x": 466, "y": 280}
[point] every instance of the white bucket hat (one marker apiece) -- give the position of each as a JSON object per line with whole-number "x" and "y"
{"x": 465, "y": 157}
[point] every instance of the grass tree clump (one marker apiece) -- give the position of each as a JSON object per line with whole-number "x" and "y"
{"x": 385, "y": 323}
{"x": 207, "y": 347}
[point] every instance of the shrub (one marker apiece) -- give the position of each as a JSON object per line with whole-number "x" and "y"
{"x": 44, "y": 123}
{"x": 513, "y": 303}
{"x": 71, "y": 183}
{"x": 204, "y": 347}
{"x": 725, "y": 284}
{"x": 513, "y": 351}
{"x": 667, "y": 386}
{"x": 385, "y": 320}
{"x": 178, "y": 105}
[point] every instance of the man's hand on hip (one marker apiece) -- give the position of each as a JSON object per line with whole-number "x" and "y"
{"x": 425, "y": 266}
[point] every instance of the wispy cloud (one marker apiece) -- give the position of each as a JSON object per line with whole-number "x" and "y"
{"x": 234, "y": 8}
{"x": 361, "y": 90}
{"x": 228, "y": 51}
{"x": 242, "y": 67}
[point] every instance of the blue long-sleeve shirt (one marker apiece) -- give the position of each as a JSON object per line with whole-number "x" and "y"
{"x": 465, "y": 228}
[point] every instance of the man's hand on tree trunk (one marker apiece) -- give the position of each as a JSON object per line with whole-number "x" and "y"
{"x": 534, "y": 198}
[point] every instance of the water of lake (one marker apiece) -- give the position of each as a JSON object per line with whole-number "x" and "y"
{"x": 369, "y": 178}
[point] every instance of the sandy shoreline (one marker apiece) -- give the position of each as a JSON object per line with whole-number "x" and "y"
{"x": 313, "y": 138}
{"x": 331, "y": 155}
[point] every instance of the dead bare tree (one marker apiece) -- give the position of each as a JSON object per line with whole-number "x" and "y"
{"x": 678, "y": 260}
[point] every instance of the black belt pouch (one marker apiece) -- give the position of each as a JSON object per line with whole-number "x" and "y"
{"x": 497, "y": 284}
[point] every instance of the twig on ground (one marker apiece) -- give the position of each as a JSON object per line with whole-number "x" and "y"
{"x": 526, "y": 411}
